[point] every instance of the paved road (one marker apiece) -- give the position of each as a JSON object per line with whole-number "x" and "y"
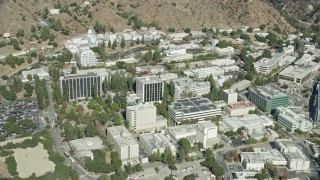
{"x": 55, "y": 133}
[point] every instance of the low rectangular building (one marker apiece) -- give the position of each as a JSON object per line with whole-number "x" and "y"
{"x": 192, "y": 108}
{"x": 292, "y": 121}
{"x": 204, "y": 132}
{"x": 83, "y": 147}
{"x": 296, "y": 74}
{"x": 265, "y": 65}
{"x": 124, "y": 143}
{"x": 151, "y": 143}
{"x": 202, "y": 73}
{"x": 258, "y": 159}
{"x": 297, "y": 160}
{"x": 40, "y": 72}
{"x": 239, "y": 108}
{"x": 185, "y": 86}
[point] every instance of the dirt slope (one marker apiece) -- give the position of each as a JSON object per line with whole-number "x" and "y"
{"x": 178, "y": 14}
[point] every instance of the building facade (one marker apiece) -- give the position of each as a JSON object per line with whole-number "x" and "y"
{"x": 124, "y": 143}
{"x": 143, "y": 118}
{"x": 79, "y": 87}
{"x": 85, "y": 57}
{"x": 291, "y": 120}
{"x": 268, "y": 98}
{"x": 149, "y": 89}
{"x": 296, "y": 74}
{"x": 265, "y": 65}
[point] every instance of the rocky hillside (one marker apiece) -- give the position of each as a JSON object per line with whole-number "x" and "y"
{"x": 178, "y": 14}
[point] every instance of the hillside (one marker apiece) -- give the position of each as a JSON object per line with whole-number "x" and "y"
{"x": 178, "y": 14}
{"x": 306, "y": 11}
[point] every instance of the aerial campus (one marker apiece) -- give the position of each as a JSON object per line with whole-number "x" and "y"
{"x": 146, "y": 103}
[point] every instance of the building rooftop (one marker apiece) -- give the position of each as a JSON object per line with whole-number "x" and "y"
{"x": 176, "y": 131}
{"x": 230, "y": 91}
{"x": 156, "y": 141}
{"x": 149, "y": 80}
{"x": 268, "y": 92}
{"x": 38, "y": 71}
{"x": 122, "y": 136}
{"x": 262, "y": 155}
{"x": 240, "y": 105}
{"x": 143, "y": 106}
{"x": 266, "y": 62}
{"x": 191, "y": 105}
{"x": 85, "y": 144}
{"x": 289, "y": 115}
{"x": 247, "y": 120}
{"x": 297, "y": 155}
{"x": 297, "y": 71}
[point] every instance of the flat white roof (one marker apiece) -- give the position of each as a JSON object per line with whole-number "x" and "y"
{"x": 156, "y": 141}
{"x": 149, "y": 80}
{"x": 297, "y": 71}
{"x": 90, "y": 143}
{"x": 122, "y": 136}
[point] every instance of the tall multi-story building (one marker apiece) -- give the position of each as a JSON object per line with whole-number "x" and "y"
{"x": 291, "y": 120}
{"x": 81, "y": 86}
{"x": 124, "y": 143}
{"x": 268, "y": 98}
{"x": 149, "y": 89}
{"x": 193, "y": 108}
{"x": 230, "y": 96}
{"x": 85, "y": 57}
{"x": 143, "y": 118}
{"x": 316, "y": 105}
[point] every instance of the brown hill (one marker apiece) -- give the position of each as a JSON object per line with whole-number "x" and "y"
{"x": 178, "y": 14}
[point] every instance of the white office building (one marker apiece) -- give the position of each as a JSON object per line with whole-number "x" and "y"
{"x": 143, "y": 118}
{"x": 85, "y": 57}
{"x": 152, "y": 143}
{"x": 291, "y": 121}
{"x": 204, "y": 132}
{"x": 230, "y": 96}
{"x": 265, "y": 65}
{"x": 192, "y": 108}
{"x": 185, "y": 85}
{"x": 124, "y": 143}
{"x": 297, "y": 160}
{"x": 298, "y": 74}
{"x": 258, "y": 159}
{"x": 149, "y": 89}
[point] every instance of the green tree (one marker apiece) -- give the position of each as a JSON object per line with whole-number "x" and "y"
{"x": 90, "y": 130}
{"x": 116, "y": 161}
{"x": 74, "y": 70}
{"x": 148, "y": 56}
{"x": 12, "y": 165}
{"x": 123, "y": 43}
{"x": 114, "y": 44}
{"x": 29, "y": 59}
{"x": 267, "y": 54}
{"x": 190, "y": 177}
{"x": 185, "y": 144}
{"x": 187, "y": 30}
{"x": 104, "y": 176}
{"x": 250, "y": 30}
{"x": 171, "y": 30}
{"x": 29, "y": 89}
{"x": 109, "y": 44}
{"x": 20, "y": 33}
